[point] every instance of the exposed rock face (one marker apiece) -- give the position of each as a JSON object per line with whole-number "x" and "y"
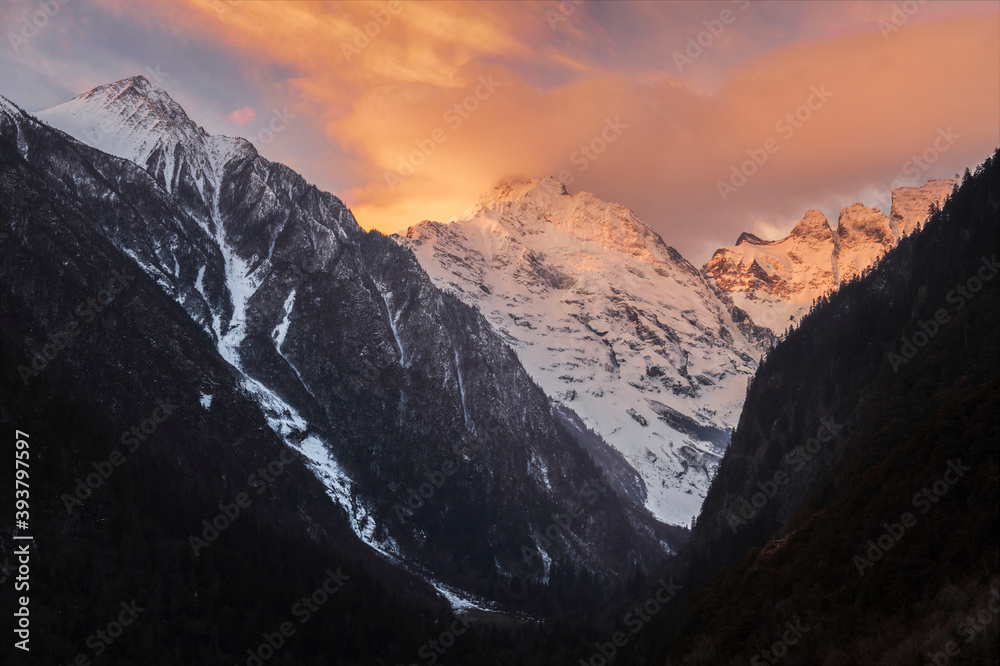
{"x": 910, "y": 204}
{"x": 863, "y": 235}
{"x": 774, "y": 282}
{"x": 769, "y": 285}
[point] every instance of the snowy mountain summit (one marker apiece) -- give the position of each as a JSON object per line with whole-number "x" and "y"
{"x": 138, "y": 121}
{"x": 610, "y": 321}
{"x": 775, "y": 282}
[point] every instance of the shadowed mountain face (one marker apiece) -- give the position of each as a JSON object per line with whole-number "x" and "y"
{"x": 428, "y": 437}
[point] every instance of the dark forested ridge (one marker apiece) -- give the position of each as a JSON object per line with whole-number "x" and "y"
{"x": 854, "y": 517}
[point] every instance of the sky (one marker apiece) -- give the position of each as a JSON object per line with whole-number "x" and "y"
{"x": 706, "y": 118}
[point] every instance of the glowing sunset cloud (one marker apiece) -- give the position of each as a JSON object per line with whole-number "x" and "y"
{"x": 242, "y": 116}
{"x": 418, "y": 107}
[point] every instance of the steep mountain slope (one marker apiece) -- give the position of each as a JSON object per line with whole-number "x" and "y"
{"x": 910, "y": 204}
{"x": 863, "y": 235}
{"x": 859, "y": 494}
{"x": 140, "y": 436}
{"x": 612, "y": 324}
{"x": 775, "y": 282}
{"x": 419, "y": 421}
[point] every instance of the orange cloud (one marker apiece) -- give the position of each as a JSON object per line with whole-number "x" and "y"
{"x": 431, "y": 103}
{"x": 243, "y": 116}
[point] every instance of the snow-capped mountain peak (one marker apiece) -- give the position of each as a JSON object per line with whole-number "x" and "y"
{"x": 138, "y": 121}
{"x": 513, "y": 189}
{"x": 775, "y": 282}
{"x": 531, "y": 206}
{"x": 608, "y": 320}
{"x": 813, "y": 225}
{"x": 147, "y": 114}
